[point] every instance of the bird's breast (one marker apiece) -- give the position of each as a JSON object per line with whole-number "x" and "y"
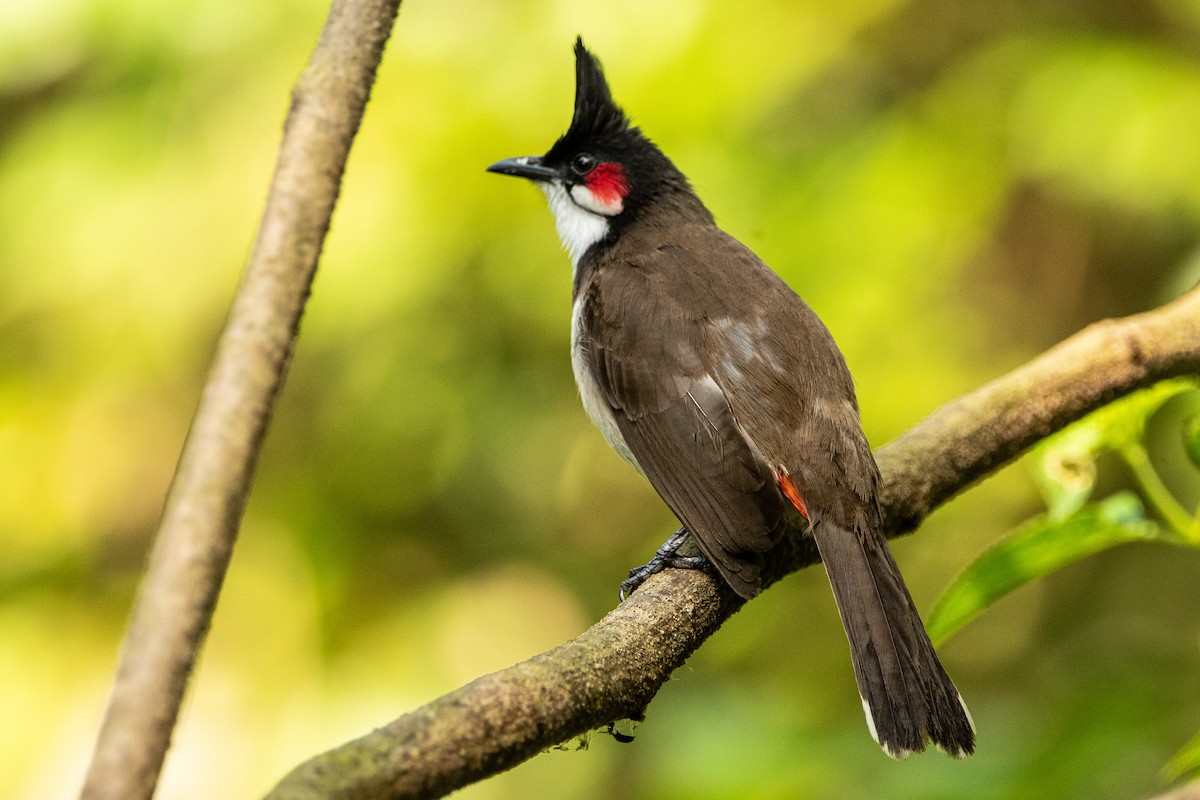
{"x": 598, "y": 409}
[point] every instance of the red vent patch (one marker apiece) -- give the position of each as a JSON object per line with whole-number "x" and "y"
{"x": 793, "y": 495}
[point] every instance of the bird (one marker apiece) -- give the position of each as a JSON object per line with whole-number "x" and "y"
{"x": 706, "y": 372}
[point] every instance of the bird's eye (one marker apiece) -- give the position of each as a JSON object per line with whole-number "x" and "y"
{"x": 583, "y": 163}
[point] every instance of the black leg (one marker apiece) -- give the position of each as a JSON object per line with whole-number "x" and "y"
{"x": 667, "y": 556}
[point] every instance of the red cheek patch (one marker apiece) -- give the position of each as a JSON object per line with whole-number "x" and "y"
{"x": 607, "y": 183}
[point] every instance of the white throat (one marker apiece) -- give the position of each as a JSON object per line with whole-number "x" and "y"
{"x": 578, "y": 228}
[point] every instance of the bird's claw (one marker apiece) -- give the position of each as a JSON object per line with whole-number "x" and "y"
{"x": 666, "y": 556}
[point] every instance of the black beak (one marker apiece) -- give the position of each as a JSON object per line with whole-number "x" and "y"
{"x": 524, "y": 167}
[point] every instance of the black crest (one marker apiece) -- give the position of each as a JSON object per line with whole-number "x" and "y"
{"x": 598, "y": 121}
{"x": 596, "y": 115}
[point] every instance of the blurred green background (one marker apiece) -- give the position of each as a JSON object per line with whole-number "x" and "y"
{"x": 953, "y": 185}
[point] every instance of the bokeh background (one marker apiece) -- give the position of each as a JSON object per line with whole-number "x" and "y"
{"x": 953, "y": 185}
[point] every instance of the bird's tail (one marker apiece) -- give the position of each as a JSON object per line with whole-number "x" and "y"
{"x": 906, "y": 694}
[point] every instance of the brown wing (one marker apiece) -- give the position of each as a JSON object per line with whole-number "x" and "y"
{"x": 801, "y": 414}
{"x": 642, "y": 348}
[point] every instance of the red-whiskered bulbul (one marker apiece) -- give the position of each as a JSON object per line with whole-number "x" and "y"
{"x": 709, "y": 375}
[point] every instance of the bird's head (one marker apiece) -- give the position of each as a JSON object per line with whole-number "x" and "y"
{"x": 602, "y": 172}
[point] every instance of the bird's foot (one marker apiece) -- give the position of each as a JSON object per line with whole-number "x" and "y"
{"x": 667, "y": 556}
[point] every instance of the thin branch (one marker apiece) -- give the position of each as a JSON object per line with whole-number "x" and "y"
{"x": 614, "y": 669}
{"x": 1170, "y": 510}
{"x": 212, "y": 481}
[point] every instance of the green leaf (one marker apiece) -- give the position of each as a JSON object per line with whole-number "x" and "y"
{"x": 1064, "y": 465}
{"x": 1034, "y": 550}
{"x": 1064, "y": 468}
{"x": 1123, "y": 422}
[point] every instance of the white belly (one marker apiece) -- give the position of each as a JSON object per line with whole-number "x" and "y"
{"x": 594, "y": 404}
